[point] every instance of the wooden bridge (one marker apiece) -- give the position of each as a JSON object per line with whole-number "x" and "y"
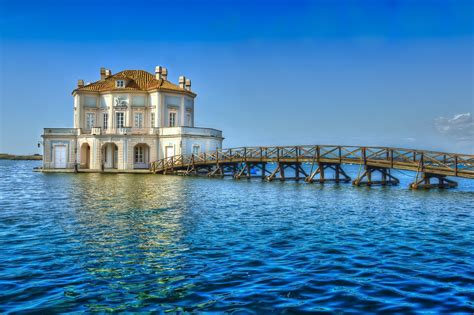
{"x": 322, "y": 163}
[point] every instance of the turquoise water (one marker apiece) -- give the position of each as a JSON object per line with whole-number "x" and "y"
{"x": 99, "y": 243}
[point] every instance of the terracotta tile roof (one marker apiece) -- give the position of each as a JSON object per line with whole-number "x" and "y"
{"x": 137, "y": 80}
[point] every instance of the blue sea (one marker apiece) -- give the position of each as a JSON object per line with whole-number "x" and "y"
{"x": 83, "y": 243}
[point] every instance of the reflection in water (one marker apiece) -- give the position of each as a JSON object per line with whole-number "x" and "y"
{"x": 134, "y": 238}
{"x": 91, "y": 242}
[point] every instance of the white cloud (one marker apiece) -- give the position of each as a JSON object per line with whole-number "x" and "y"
{"x": 459, "y": 128}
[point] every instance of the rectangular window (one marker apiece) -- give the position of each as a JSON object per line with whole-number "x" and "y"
{"x": 188, "y": 119}
{"x": 106, "y": 121}
{"x": 119, "y": 83}
{"x": 90, "y": 120}
{"x": 196, "y": 149}
{"x": 172, "y": 120}
{"x": 138, "y": 120}
{"x": 120, "y": 120}
{"x": 152, "y": 120}
{"x": 139, "y": 156}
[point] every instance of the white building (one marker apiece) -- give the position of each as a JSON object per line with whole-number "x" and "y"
{"x": 126, "y": 120}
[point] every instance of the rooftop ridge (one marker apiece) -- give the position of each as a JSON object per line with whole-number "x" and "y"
{"x": 138, "y": 80}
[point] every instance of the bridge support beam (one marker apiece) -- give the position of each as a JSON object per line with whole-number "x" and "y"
{"x": 425, "y": 182}
{"x": 245, "y": 170}
{"x": 386, "y": 178}
{"x": 191, "y": 170}
{"x": 217, "y": 171}
{"x": 338, "y": 173}
{"x": 281, "y": 169}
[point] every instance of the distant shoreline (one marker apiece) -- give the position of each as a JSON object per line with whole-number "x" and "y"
{"x": 4, "y": 156}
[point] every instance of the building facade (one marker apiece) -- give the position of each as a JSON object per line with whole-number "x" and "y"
{"x": 126, "y": 120}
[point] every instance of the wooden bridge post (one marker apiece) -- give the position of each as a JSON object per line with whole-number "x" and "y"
{"x": 297, "y": 164}
{"x": 384, "y": 179}
{"x": 364, "y": 155}
{"x": 297, "y": 171}
{"x": 455, "y": 165}
{"x": 422, "y": 163}
{"x": 321, "y": 172}
{"x": 217, "y": 160}
{"x": 391, "y": 158}
{"x": 282, "y": 172}
{"x": 369, "y": 177}
{"x": 425, "y": 182}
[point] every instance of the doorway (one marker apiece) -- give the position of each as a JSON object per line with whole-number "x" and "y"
{"x": 59, "y": 152}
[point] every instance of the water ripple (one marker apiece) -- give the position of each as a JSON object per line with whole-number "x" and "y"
{"x": 142, "y": 243}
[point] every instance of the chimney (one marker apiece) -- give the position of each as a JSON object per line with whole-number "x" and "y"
{"x": 108, "y": 73}
{"x": 188, "y": 84}
{"x": 102, "y": 73}
{"x": 80, "y": 83}
{"x": 158, "y": 72}
{"x": 165, "y": 73}
{"x": 182, "y": 80}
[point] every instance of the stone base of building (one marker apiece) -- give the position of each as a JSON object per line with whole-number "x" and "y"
{"x": 129, "y": 151}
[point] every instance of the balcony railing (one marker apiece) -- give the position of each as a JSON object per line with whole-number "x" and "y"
{"x": 195, "y": 131}
{"x": 96, "y": 131}
{"x": 165, "y": 131}
{"x": 61, "y": 131}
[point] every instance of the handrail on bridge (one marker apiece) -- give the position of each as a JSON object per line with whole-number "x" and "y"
{"x": 432, "y": 162}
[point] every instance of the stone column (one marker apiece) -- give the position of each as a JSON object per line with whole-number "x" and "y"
{"x": 110, "y": 108}
{"x": 157, "y": 109}
{"x": 78, "y": 111}
{"x": 158, "y": 113}
{"x": 192, "y": 113}
{"x": 183, "y": 113}
{"x": 129, "y": 118}
{"x": 162, "y": 110}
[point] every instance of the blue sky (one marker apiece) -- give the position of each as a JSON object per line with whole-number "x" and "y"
{"x": 396, "y": 73}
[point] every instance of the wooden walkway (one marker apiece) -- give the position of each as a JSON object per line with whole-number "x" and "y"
{"x": 324, "y": 163}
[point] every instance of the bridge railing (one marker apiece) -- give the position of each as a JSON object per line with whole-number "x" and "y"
{"x": 408, "y": 159}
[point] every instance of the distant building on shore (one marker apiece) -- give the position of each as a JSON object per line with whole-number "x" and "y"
{"x": 126, "y": 120}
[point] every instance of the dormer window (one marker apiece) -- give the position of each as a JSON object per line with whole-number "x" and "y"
{"x": 120, "y": 83}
